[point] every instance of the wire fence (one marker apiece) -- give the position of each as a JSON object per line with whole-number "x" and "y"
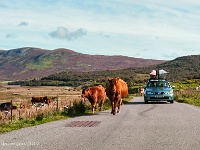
{"x": 58, "y": 103}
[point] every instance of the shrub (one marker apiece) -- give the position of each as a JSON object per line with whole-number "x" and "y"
{"x": 77, "y": 108}
{"x": 39, "y": 117}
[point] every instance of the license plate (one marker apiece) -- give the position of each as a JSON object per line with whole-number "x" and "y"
{"x": 159, "y": 96}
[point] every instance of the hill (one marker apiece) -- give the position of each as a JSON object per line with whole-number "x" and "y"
{"x": 28, "y": 62}
{"x": 180, "y": 69}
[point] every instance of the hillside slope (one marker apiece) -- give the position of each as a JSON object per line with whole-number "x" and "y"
{"x": 27, "y": 63}
{"x": 181, "y": 68}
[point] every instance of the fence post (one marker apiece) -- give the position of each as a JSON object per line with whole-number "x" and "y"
{"x": 57, "y": 103}
{"x": 11, "y": 111}
{"x": 19, "y": 115}
{"x": 26, "y": 115}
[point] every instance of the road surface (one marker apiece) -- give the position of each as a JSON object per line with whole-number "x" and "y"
{"x": 139, "y": 126}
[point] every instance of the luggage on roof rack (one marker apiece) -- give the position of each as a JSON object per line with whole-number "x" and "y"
{"x": 152, "y": 74}
{"x": 160, "y": 74}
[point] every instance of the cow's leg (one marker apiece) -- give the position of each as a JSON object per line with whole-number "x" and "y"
{"x": 101, "y": 105}
{"x": 93, "y": 107}
{"x": 113, "y": 108}
{"x": 119, "y": 103}
{"x": 96, "y": 106}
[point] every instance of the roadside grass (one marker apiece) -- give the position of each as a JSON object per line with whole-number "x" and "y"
{"x": 192, "y": 101}
{"x": 185, "y": 92}
{"x": 78, "y": 109}
{"x": 184, "y": 85}
{"x": 189, "y": 97}
{"x": 22, "y": 123}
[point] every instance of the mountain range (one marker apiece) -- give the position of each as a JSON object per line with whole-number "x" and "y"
{"x": 29, "y": 62}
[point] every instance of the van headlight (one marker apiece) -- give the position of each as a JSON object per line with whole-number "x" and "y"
{"x": 170, "y": 92}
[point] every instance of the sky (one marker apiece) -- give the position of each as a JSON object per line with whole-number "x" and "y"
{"x": 149, "y": 29}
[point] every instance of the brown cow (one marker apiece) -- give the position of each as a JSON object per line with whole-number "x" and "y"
{"x": 140, "y": 91}
{"x": 116, "y": 90}
{"x": 23, "y": 106}
{"x": 48, "y": 101}
{"x": 95, "y": 95}
{"x": 39, "y": 99}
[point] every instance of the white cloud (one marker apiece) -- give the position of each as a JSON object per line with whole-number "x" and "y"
{"x": 10, "y": 36}
{"x": 24, "y": 23}
{"x": 63, "y": 33}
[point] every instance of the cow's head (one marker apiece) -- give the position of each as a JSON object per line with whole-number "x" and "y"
{"x": 49, "y": 100}
{"x": 85, "y": 93}
{"x": 113, "y": 83}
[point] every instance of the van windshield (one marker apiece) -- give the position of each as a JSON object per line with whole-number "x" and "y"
{"x": 158, "y": 84}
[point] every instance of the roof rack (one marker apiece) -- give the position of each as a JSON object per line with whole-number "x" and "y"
{"x": 157, "y": 79}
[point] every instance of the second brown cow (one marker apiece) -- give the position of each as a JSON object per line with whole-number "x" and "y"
{"x": 39, "y": 99}
{"x": 95, "y": 95}
{"x": 116, "y": 90}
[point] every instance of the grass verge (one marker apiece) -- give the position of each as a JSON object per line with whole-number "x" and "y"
{"x": 191, "y": 101}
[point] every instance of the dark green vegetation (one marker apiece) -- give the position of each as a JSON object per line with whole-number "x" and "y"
{"x": 76, "y": 79}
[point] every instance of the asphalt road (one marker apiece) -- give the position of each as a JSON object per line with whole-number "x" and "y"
{"x": 139, "y": 126}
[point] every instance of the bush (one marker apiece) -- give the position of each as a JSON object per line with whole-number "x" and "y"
{"x": 77, "y": 108}
{"x": 39, "y": 117}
